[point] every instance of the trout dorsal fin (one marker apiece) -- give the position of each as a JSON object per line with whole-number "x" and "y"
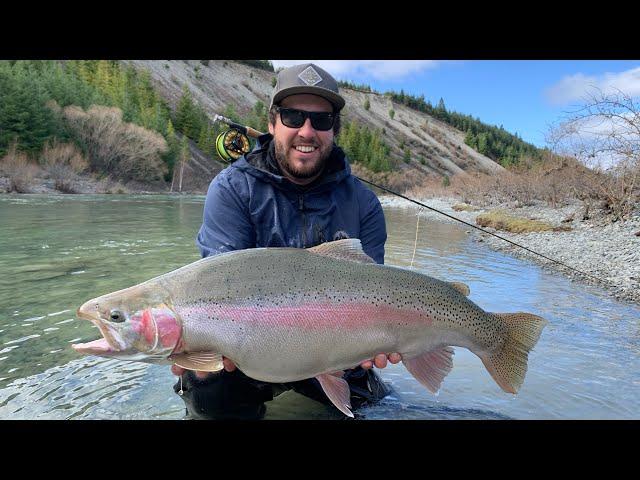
{"x": 463, "y": 288}
{"x": 349, "y": 249}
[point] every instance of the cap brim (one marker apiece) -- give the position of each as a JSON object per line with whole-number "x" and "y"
{"x": 336, "y": 100}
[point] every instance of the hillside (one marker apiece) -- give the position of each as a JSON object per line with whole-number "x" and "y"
{"x": 435, "y": 147}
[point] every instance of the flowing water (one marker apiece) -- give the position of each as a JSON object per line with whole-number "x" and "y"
{"x": 58, "y": 251}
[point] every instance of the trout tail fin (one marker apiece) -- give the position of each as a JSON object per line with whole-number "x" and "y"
{"x": 508, "y": 365}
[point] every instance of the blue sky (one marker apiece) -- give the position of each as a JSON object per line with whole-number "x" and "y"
{"x": 524, "y": 96}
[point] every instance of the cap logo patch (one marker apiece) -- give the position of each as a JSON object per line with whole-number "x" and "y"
{"x": 310, "y": 76}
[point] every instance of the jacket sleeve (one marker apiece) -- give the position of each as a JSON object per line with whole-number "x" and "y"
{"x": 226, "y": 222}
{"x": 373, "y": 229}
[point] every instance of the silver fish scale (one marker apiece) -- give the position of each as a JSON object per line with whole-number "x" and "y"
{"x": 273, "y": 278}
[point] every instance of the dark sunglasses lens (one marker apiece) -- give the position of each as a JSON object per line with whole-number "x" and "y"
{"x": 292, "y": 118}
{"x": 322, "y": 121}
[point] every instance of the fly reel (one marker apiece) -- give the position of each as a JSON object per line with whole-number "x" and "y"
{"x": 232, "y": 144}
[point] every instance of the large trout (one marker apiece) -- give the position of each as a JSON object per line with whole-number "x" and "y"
{"x": 288, "y": 314}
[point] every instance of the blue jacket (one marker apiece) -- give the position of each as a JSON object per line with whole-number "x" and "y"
{"x": 250, "y": 204}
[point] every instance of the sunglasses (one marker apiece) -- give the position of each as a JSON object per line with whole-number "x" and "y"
{"x": 292, "y": 118}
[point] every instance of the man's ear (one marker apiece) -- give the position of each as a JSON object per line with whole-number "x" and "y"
{"x": 271, "y": 129}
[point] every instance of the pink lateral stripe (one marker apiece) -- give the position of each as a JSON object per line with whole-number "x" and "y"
{"x": 315, "y": 315}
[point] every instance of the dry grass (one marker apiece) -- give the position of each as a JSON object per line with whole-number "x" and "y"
{"x": 20, "y": 170}
{"x": 63, "y": 162}
{"x": 555, "y": 181}
{"x": 463, "y": 207}
{"x": 399, "y": 181}
{"x": 500, "y": 220}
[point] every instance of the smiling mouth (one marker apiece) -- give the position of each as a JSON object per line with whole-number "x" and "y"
{"x": 305, "y": 148}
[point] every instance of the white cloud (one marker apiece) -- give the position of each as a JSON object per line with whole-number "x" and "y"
{"x": 576, "y": 87}
{"x": 362, "y": 69}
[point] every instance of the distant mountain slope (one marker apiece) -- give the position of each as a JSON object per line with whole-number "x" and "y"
{"x": 435, "y": 147}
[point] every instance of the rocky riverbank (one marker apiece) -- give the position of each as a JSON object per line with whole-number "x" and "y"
{"x": 85, "y": 184}
{"x": 608, "y": 251}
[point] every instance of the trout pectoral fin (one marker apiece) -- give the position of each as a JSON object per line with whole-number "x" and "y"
{"x": 463, "y": 288}
{"x": 337, "y": 389}
{"x": 202, "y": 361}
{"x": 430, "y": 368}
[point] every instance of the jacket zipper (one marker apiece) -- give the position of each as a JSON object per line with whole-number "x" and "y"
{"x": 304, "y": 220}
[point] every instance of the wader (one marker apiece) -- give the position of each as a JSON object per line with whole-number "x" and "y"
{"x": 232, "y": 395}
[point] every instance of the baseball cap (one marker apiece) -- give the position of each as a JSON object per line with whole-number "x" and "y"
{"x": 307, "y": 78}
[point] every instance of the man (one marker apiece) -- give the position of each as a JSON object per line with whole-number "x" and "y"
{"x": 295, "y": 189}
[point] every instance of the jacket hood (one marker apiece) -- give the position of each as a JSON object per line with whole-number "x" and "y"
{"x": 261, "y": 163}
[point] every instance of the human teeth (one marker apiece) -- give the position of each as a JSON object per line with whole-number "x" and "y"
{"x": 304, "y": 148}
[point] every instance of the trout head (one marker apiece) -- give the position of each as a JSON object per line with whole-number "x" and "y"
{"x": 136, "y": 324}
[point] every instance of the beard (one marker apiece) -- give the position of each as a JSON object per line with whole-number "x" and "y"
{"x": 308, "y": 171}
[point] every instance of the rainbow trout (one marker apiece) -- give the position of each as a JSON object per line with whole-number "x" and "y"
{"x": 288, "y": 314}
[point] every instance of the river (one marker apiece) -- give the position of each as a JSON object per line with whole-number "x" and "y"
{"x": 58, "y": 251}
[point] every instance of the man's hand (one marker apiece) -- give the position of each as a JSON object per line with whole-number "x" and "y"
{"x": 380, "y": 360}
{"x": 229, "y": 366}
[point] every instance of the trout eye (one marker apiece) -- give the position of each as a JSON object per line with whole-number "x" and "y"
{"x": 117, "y": 316}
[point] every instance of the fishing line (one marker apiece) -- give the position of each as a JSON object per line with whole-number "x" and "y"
{"x": 415, "y": 243}
{"x": 234, "y": 143}
{"x": 481, "y": 229}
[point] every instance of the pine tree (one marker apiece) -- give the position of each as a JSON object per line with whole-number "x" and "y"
{"x": 185, "y": 121}
{"x": 206, "y": 141}
{"x": 483, "y": 146}
{"x": 170, "y": 157}
{"x": 183, "y": 158}
{"x": 470, "y": 139}
{"x": 230, "y": 113}
{"x": 23, "y": 114}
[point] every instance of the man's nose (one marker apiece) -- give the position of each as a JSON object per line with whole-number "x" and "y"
{"x": 306, "y": 130}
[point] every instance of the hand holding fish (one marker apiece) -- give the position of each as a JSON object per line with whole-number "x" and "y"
{"x": 380, "y": 360}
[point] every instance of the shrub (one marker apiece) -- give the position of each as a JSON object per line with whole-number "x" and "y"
{"x": 66, "y": 154}
{"x": 19, "y": 169}
{"x": 62, "y": 161}
{"x": 123, "y": 149}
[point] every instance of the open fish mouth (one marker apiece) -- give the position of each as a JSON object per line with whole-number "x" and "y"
{"x": 110, "y": 341}
{"x": 96, "y": 347}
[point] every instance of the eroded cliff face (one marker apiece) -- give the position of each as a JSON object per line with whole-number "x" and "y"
{"x": 436, "y": 148}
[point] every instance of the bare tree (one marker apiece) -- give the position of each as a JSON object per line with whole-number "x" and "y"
{"x": 604, "y": 134}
